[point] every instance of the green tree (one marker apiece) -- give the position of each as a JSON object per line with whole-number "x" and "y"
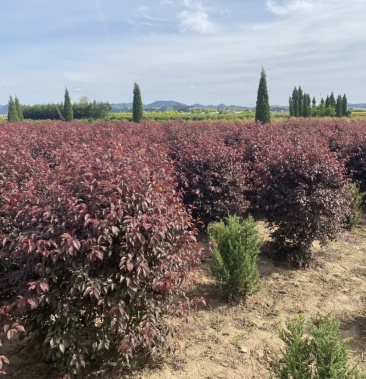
{"x": 330, "y": 112}
{"x": 295, "y": 101}
{"x": 307, "y": 105}
{"x": 344, "y": 105}
{"x": 301, "y": 102}
{"x": 262, "y": 110}
{"x": 18, "y": 109}
{"x": 339, "y": 106}
{"x": 12, "y": 112}
{"x": 68, "y": 111}
{"x": 137, "y": 110}
{"x": 291, "y": 106}
{"x": 327, "y": 102}
{"x": 321, "y": 111}
{"x": 314, "y": 102}
{"x": 332, "y": 100}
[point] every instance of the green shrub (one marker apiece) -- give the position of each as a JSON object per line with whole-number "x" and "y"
{"x": 236, "y": 248}
{"x": 356, "y": 199}
{"x": 320, "y": 356}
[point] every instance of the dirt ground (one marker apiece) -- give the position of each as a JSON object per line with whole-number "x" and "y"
{"x": 241, "y": 341}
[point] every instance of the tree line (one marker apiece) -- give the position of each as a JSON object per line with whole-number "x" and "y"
{"x": 65, "y": 111}
{"x": 301, "y": 105}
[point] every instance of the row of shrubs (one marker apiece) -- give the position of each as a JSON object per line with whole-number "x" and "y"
{"x": 98, "y": 221}
{"x": 302, "y": 177}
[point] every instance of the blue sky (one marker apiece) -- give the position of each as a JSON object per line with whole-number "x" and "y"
{"x": 192, "y": 51}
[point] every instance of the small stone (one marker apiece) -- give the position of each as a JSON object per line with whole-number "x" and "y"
{"x": 243, "y": 349}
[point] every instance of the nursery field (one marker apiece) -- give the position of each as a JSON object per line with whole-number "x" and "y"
{"x": 241, "y": 341}
{"x": 105, "y": 253}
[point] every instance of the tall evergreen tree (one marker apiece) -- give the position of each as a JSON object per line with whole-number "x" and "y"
{"x": 344, "y": 105}
{"x": 295, "y": 101}
{"x": 262, "y": 110}
{"x": 68, "y": 111}
{"x": 314, "y": 102}
{"x": 137, "y": 107}
{"x": 327, "y": 102}
{"x": 12, "y": 113}
{"x": 301, "y": 102}
{"x": 307, "y": 105}
{"x": 291, "y": 106}
{"x": 339, "y": 106}
{"x": 332, "y": 100}
{"x": 18, "y": 109}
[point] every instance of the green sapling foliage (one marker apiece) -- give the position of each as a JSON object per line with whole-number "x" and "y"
{"x": 236, "y": 246}
{"x": 322, "y": 355}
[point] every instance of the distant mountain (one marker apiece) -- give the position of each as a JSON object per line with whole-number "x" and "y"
{"x": 121, "y": 107}
{"x": 166, "y": 104}
{"x": 355, "y": 106}
{"x": 4, "y": 109}
{"x": 161, "y": 105}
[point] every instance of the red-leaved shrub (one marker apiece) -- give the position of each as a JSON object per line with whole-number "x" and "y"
{"x": 302, "y": 189}
{"x": 213, "y": 177}
{"x": 96, "y": 242}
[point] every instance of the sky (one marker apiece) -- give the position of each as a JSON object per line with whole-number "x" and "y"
{"x": 190, "y": 51}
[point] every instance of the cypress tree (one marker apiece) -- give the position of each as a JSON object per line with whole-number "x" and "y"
{"x": 332, "y": 100}
{"x": 314, "y": 102}
{"x": 307, "y": 105}
{"x": 327, "y": 102}
{"x": 137, "y": 110}
{"x": 12, "y": 113}
{"x": 291, "y": 106}
{"x": 301, "y": 102}
{"x": 344, "y": 105}
{"x": 262, "y": 110}
{"x": 68, "y": 111}
{"x": 339, "y": 106}
{"x": 295, "y": 101}
{"x": 18, "y": 109}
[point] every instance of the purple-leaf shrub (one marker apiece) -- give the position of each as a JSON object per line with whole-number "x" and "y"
{"x": 94, "y": 246}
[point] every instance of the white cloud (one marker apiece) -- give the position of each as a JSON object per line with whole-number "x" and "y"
{"x": 193, "y": 5}
{"x": 196, "y": 22}
{"x": 76, "y": 77}
{"x": 101, "y": 18}
{"x": 286, "y": 7}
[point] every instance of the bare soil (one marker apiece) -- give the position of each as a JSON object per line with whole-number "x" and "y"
{"x": 241, "y": 340}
